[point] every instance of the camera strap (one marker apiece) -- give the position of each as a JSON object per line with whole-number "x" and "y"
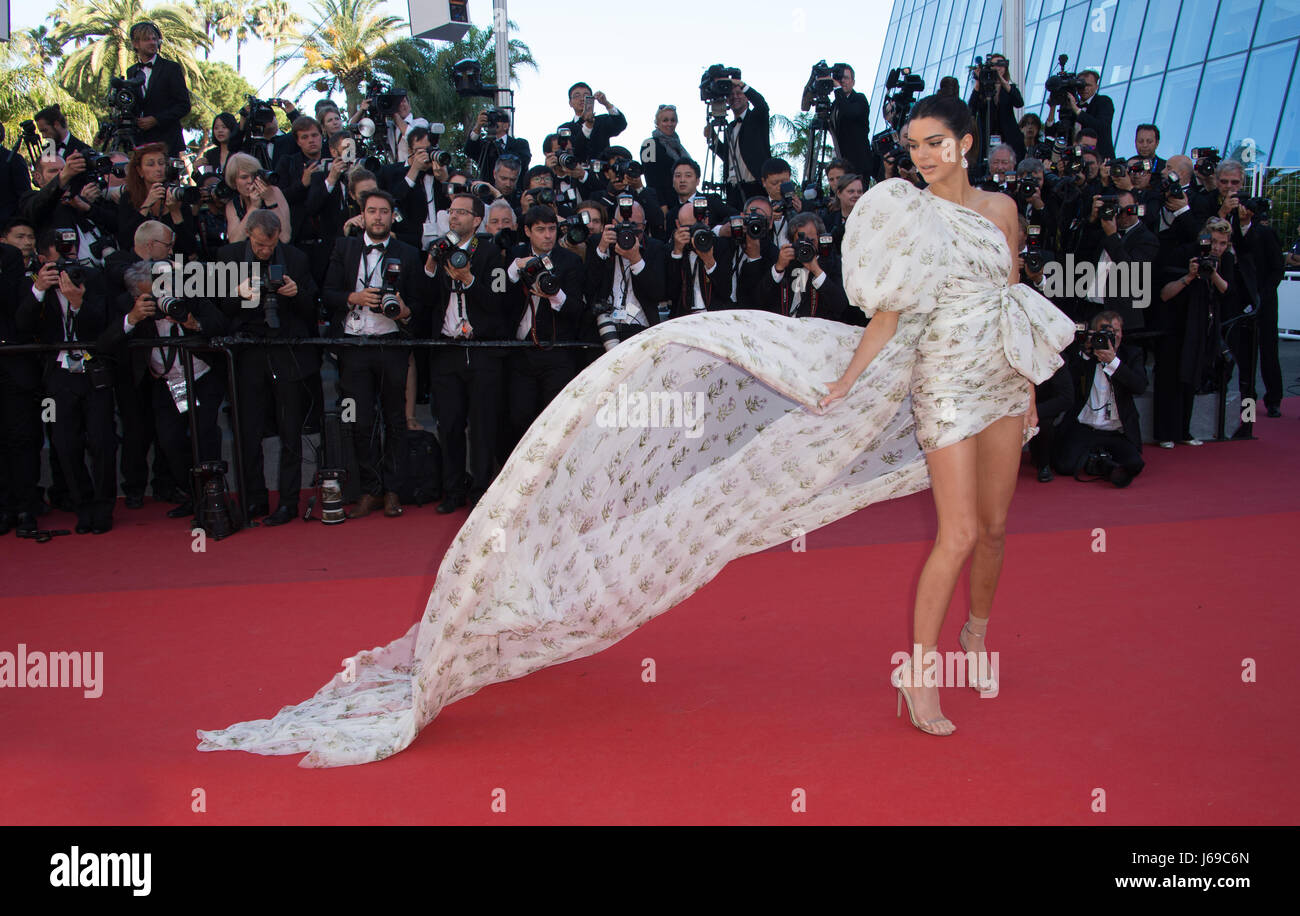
{"x": 169, "y": 353}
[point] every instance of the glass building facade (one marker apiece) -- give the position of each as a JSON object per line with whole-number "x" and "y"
{"x": 1206, "y": 72}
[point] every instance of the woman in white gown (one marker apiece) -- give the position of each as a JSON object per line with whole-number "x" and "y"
{"x": 703, "y": 439}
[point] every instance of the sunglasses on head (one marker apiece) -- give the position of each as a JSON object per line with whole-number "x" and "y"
{"x": 667, "y": 107}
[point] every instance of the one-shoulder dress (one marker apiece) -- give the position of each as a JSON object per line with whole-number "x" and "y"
{"x": 695, "y": 442}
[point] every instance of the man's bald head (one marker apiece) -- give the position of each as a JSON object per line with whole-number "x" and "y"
{"x": 1182, "y": 165}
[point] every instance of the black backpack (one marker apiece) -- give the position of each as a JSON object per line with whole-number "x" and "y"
{"x": 423, "y": 468}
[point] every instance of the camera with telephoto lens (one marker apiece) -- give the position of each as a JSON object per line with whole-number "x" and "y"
{"x": 484, "y": 192}
{"x": 446, "y": 250}
{"x": 716, "y": 83}
{"x": 66, "y": 248}
{"x": 808, "y": 250}
{"x": 544, "y": 197}
{"x": 1109, "y": 206}
{"x": 1072, "y": 161}
{"x": 757, "y": 225}
{"x": 497, "y": 121}
{"x": 1118, "y": 168}
{"x": 173, "y": 307}
{"x": 540, "y": 272}
{"x": 1170, "y": 186}
{"x": 271, "y": 295}
{"x": 388, "y": 305}
{"x": 1027, "y": 186}
{"x": 1100, "y": 339}
{"x": 1206, "y": 263}
{"x": 1207, "y": 159}
{"x": 1033, "y": 259}
{"x": 98, "y": 167}
{"x": 565, "y": 158}
{"x": 575, "y": 228}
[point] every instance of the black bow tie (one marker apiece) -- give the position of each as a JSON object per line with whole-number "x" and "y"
{"x": 370, "y": 248}
{"x": 148, "y": 66}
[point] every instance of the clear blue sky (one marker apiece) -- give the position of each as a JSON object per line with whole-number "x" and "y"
{"x": 643, "y": 54}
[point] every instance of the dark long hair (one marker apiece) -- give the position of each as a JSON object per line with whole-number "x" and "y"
{"x": 232, "y": 125}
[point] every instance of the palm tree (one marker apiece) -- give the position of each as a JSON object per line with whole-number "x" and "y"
{"x": 25, "y": 88}
{"x": 238, "y": 22}
{"x": 105, "y": 27}
{"x": 794, "y": 149}
{"x": 276, "y": 21}
{"x": 38, "y": 45}
{"x": 346, "y": 45}
{"x": 210, "y": 13}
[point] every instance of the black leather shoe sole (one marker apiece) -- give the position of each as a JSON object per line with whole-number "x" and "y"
{"x": 280, "y": 516}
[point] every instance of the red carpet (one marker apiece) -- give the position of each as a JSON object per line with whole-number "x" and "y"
{"x": 1121, "y": 671}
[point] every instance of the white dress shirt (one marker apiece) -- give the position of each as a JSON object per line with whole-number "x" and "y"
{"x": 1104, "y": 266}
{"x": 1101, "y": 411}
{"x": 362, "y": 321}
{"x": 526, "y": 323}
{"x": 692, "y": 259}
{"x": 456, "y": 306}
{"x": 623, "y": 293}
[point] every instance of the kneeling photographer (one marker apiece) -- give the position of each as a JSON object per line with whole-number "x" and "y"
{"x": 279, "y": 303}
{"x": 1100, "y": 436}
{"x": 139, "y": 314}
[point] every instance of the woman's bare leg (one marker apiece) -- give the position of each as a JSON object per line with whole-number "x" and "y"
{"x": 997, "y": 449}
{"x": 953, "y": 483}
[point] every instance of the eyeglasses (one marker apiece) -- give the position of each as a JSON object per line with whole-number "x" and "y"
{"x": 460, "y": 211}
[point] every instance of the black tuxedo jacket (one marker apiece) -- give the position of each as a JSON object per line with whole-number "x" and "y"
{"x": 1098, "y": 113}
{"x": 15, "y": 182}
{"x": 412, "y": 202}
{"x": 297, "y": 313}
{"x": 1139, "y": 246}
{"x": 289, "y": 175}
{"x": 1004, "y": 118}
{"x": 649, "y": 285}
{"x": 605, "y": 126}
{"x": 43, "y": 317}
{"x": 324, "y": 212}
{"x": 549, "y": 324}
{"x": 850, "y": 120}
{"x": 484, "y": 154}
{"x": 341, "y": 279}
{"x": 830, "y": 301}
{"x": 719, "y": 212}
{"x": 113, "y": 340}
{"x": 1128, "y": 381}
{"x": 755, "y": 137}
{"x": 487, "y": 310}
{"x": 22, "y": 371}
{"x": 167, "y": 98}
{"x": 715, "y": 287}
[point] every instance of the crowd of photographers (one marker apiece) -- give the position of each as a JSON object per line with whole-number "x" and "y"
{"x": 364, "y": 228}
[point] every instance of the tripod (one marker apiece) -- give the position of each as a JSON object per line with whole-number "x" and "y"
{"x": 813, "y": 165}
{"x": 716, "y": 119}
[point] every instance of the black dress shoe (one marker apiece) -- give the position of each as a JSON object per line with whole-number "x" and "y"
{"x": 181, "y": 511}
{"x": 102, "y": 528}
{"x": 1274, "y": 411}
{"x": 134, "y": 500}
{"x": 451, "y": 504}
{"x": 282, "y": 515}
{"x": 174, "y": 495}
{"x": 7, "y": 522}
{"x": 1045, "y": 474}
{"x": 26, "y": 522}
{"x": 258, "y": 509}
{"x": 83, "y": 527}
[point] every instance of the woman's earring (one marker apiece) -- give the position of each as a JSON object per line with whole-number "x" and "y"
{"x": 963, "y": 160}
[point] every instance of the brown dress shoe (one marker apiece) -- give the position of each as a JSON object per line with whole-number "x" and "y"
{"x": 392, "y": 505}
{"x": 365, "y": 505}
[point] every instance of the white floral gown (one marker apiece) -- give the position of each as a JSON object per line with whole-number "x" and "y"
{"x": 607, "y": 514}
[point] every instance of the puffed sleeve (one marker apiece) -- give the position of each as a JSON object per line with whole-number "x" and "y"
{"x": 890, "y": 263}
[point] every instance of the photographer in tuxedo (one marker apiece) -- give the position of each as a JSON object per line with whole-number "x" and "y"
{"x": 166, "y": 97}
{"x": 693, "y": 264}
{"x": 686, "y": 186}
{"x": 799, "y": 284}
{"x": 589, "y": 132}
{"x": 490, "y": 139}
{"x": 15, "y": 180}
{"x": 56, "y": 309}
{"x": 850, "y": 125}
{"x": 623, "y": 175}
{"x": 544, "y": 303}
{"x": 630, "y": 279}
{"x": 137, "y": 316}
{"x": 52, "y": 124}
{"x": 281, "y": 302}
{"x": 329, "y": 201}
{"x": 1116, "y": 235}
{"x": 466, "y": 384}
{"x": 745, "y": 145}
{"x": 1105, "y": 377}
{"x": 367, "y": 301}
{"x": 418, "y": 186}
{"x": 1094, "y": 111}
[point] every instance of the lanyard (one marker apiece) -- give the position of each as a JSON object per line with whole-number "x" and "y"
{"x": 371, "y": 271}
{"x": 169, "y": 353}
{"x": 69, "y": 319}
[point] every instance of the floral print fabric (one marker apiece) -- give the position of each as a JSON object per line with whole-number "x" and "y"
{"x": 695, "y": 442}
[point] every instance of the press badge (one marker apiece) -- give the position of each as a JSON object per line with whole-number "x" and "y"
{"x": 180, "y": 394}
